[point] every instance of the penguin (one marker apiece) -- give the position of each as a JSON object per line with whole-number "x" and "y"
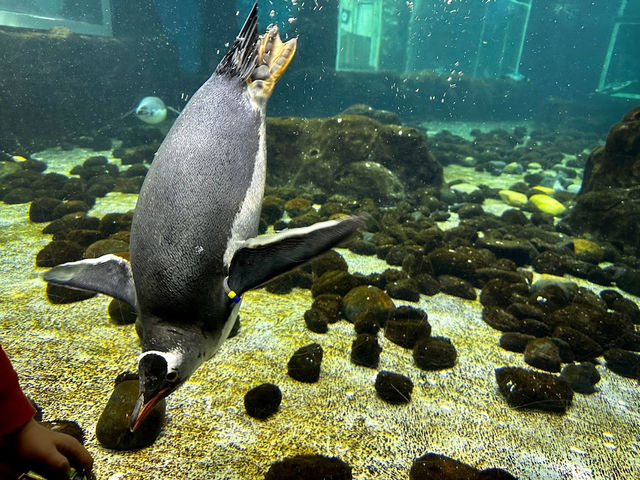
{"x": 151, "y": 110}
{"x": 193, "y": 247}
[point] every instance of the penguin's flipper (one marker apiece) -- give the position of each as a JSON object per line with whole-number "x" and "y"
{"x": 263, "y": 258}
{"x": 108, "y": 274}
{"x": 174, "y": 110}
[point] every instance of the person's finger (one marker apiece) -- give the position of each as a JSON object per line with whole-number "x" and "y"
{"x": 57, "y": 465}
{"x": 75, "y": 452}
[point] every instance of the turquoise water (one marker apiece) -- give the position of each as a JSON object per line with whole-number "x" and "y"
{"x": 508, "y": 97}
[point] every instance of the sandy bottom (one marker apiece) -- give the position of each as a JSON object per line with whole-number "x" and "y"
{"x": 68, "y": 356}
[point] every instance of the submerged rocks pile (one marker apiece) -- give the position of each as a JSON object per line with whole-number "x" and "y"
{"x": 609, "y": 202}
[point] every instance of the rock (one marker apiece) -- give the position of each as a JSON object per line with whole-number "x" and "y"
{"x": 297, "y": 206}
{"x": 304, "y": 365}
{"x": 330, "y": 260}
{"x": 587, "y": 250}
{"x": 59, "y": 295}
{"x": 361, "y": 247}
{"x": 70, "y": 206}
{"x": 407, "y": 331}
{"x": 104, "y": 247}
{"x": 115, "y": 222}
{"x": 469, "y": 211}
{"x": 368, "y": 298}
{"x": 309, "y": 467}
{"x": 325, "y": 148}
{"x": 564, "y": 349}
{"x": 393, "y": 387}
{"x": 365, "y": 322}
{"x": 608, "y": 214}
{"x": 514, "y": 216}
{"x": 112, "y": 429}
{"x": 616, "y": 164}
{"x": 121, "y": 313}
{"x": 382, "y": 116}
{"x": 285, "y": 283}
{"x": 370, "y": 179}
{"x": 583, "y": 347}
{"x": 57, "y": 252}
{"x": 41, "y": 209}
{"x": 457, "y": 287}
{"x": 365, "y": 350}
{"x": 520, "y": 251}
{"x": 73, "y": 221}
{"x": 525, "y": 310}
{"x": 499, "y": 319}
{"x": 547, "y": 204}
{"x": 18, "y": 195}
{"x": 434, "y": 353}
{"x": 263, "y": 400}
{"x": 529, "y": 389}
{"x": 542, "y": 353}
{"x": 627, "y": 308}
{"x": 582, "y": 378}
{"x": 501, "y": 293}
{"x": 515, "y": 199}
{"x": 427, "y": 285}
{"x": 334, "y": 282}
{"x": 316, "y": 321}
{"x": 330, "y": 305}
{"x": 549, "y": 299}
{"x": 550, "y": 262}
{"x": 272, "y": 208}
{"x": 461, "y": 262}
{"x": 603, "y": 327}
{"x": 623, "y": 362}
{"x": 515, "y": 341}
{"x": 584, "y": 296}
{"x": 404, "y": 289}
{"x": 513, "y": 168}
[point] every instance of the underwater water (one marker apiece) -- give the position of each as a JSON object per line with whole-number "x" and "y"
{"x": 494, "y": 148}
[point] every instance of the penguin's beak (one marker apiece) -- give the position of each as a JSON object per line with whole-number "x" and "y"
{"x": 142, "y": 408}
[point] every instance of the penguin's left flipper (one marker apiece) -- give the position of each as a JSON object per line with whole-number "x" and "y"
{"x": 263, "y": 258}
{"x": 174, "y": 110}
{"x": 108, "y": 274}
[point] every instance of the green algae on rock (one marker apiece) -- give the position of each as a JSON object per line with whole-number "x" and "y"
{"x": 112, "y": 429}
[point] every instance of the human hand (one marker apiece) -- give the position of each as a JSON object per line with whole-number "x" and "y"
{"x": 50, "y": 453}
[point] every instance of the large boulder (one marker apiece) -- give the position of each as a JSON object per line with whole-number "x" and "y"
{"x": 345, "y": 153}
{"x": 616, "y": 164}
{"x": 609, "y": 201}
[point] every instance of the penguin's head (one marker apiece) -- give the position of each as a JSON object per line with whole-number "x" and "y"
{"x": 160, "y": 373}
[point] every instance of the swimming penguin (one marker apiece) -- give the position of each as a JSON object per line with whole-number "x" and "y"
{"x": 152, "y": 110}
{"x": 193, "y": 244}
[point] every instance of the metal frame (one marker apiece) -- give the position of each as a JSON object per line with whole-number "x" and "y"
{"x": 39, "y": 22}
{"x": 603, "y": 86}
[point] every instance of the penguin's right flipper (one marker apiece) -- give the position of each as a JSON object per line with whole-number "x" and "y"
{"x": 263, "y": 258}
{"x": 108, "y": 274}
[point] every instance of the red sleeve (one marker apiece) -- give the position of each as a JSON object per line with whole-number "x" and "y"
{"x": 15, "y": 408}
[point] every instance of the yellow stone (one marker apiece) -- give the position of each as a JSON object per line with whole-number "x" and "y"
{"x": 546, "y": 190}
{"x": 516, "y": 199}
{"x": 547, "y": 204}
{"x": 582, "y": 246}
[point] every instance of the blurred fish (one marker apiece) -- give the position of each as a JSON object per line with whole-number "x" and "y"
{"x": 151, "y": 110}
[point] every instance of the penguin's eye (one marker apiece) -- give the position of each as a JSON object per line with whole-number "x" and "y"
{"x": 172, "y": 376}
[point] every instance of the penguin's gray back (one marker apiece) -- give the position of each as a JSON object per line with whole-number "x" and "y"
{"x": 200, "y": 199}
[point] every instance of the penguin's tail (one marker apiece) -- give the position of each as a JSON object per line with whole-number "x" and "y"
{"x": 241, "y": 59}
